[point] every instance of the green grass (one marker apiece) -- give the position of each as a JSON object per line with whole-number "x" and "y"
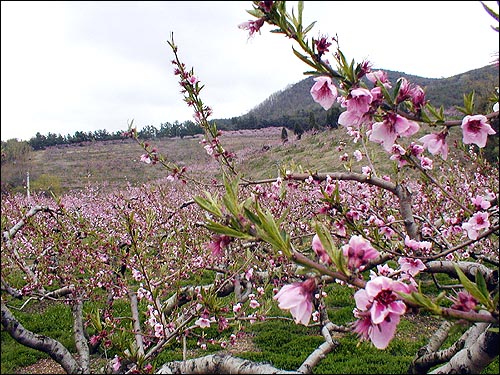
{"x": 281, "y": 343}
{"x": 54, "y": 321}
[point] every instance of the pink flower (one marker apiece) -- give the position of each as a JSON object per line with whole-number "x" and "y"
{"x": 381, "y": 76}
{"x": 297, "y": 298}
{"x": 418, "y": 97}
{"x": 265, "y": 6}
{"x": 116, "y": 363}
{"x": 366, "y": 170}
{"x": 415, "y": 149}
{"x": 436, "y": 143}
{"x": 320, "y": 250}
{"x": 137, "y": 275}
{"x": 417, "y": 245}
{"x": 252, "y": 26}
{"x": 393, "y": 126}
{"x": 412, "y": 92}
{"x": 380, "y": 298}
{"x": 464, "y": 302}
{"x": 379, "y": 334}
{"x": 384, "y": 270}
{"x": 254, "y": 304}
{"x": 237, "y": 308}
{"x": 360, "y": 101}
{"x": 340, "y": 227}
{"x": 481, "y": 203}
{"x": 192, "y": 80}
{"x": 377, "y": 95}
{"x": 324, "y": 92}
{"x": 426, "y": 163}
{"x": 249, "y": 274}
{"x": 94, "y": 340}
{"x": 203, "y": 323}
{"x": 145, "y": 158}
{"x": 359, "y": 251}
{"x": 379, "y": 309}
{"x": 159, "y": 331}
{"x": 411, "y": 266}
{"x": 398, "y": 154}
{"x": 476, "y": 129}
{"x": 218, "y": 244}
{"x": 322, "y": 45}
{"x": 350, "y": 118}
{"x": 358, "y": 155}
{"x": 477, "y": 222}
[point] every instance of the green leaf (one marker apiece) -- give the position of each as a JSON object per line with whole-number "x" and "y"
{"x": 335, "y": 254}
{"x": 96, "y": 319}
{"x": 222, "y": 229}
{"x": 490, "y": 11}
{"x": 387, "y": 95}
{"x": 295, "y": 21}
{"x": 438, "y": 114}
{"x": 471, "y": 287}
{"x": 325, "y": 238}
{"x": 308, "y": 28}
{"x": 230, "y": 199}
{"x": 209, "y": 204}
{"x": 481, "y": 285}
{"x": 257, "y": 13}
{"x": 421, "y": 300}
{"x": 425, "y": 118}
{"x": 269, "y": 232}
{"x": 396, "y": 88}
{"x": 301, "y": 9}
{"x": 408, "y": 297}
{"x": 252, "y": 217}
{"x": 468, "y": 108}
{"x": 303, "y": 58}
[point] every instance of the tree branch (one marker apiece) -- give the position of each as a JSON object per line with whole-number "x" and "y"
{"x": 45, "y": 344}
{"x": 82, "y": 346}
{"x": 220, "y": 364}
{"x": 480, "y": 349}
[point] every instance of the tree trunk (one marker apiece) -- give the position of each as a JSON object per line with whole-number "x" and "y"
{"x": 220, "y": 364}
{"x": 45, "y": 344}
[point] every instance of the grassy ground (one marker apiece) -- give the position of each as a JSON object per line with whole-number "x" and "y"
{"x": 281, "y": 343}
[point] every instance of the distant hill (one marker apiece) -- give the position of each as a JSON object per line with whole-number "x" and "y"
{"x": 294, "y": 104}
{"x": 294, "y": 108}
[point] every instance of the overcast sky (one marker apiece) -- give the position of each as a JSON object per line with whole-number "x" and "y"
{"x": 69, "y": 66}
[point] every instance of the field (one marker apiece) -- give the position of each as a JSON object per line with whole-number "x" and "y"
{"x": 259, "y": 154}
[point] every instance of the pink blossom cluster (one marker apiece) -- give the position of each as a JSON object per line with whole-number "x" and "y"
{"x": 378, "y": 309}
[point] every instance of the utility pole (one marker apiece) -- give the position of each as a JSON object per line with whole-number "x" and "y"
{"x": 28, "y": 184}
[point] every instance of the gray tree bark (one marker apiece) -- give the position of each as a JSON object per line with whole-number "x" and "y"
{"x": 52, "y": 347}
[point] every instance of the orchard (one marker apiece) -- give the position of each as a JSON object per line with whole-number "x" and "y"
{"x": 203, "y": 260}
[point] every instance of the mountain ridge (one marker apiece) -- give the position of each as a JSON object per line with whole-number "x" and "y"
{"x": 294, "y": 103}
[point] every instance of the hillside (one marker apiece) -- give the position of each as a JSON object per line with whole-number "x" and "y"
{"x": 294, "y": 104}
{"x": 260, "y": 154}
{"x": 114, "y": 164}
